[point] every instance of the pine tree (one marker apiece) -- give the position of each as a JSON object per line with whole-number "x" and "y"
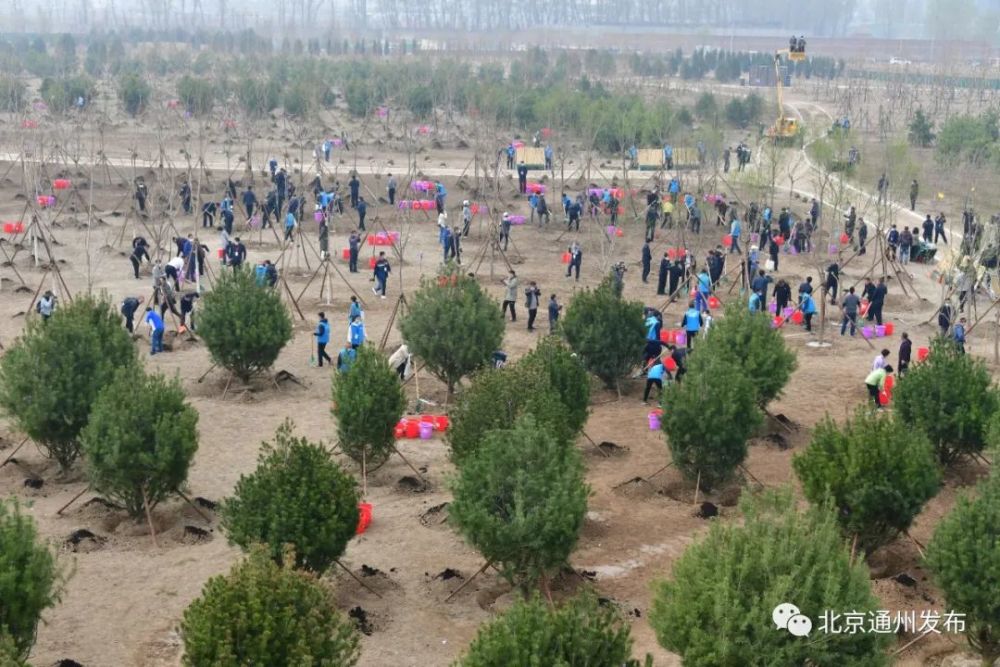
{"x": 877, "y": 472}
{"x": 748, "y": 341}
{"x": 453, "y": 326}
{"x": 964, "y": 557}
{"x": 496, "y": 398}
{"x": 297, "y": 496}
{"x": 263, "y": 613}
{"x": 708, "y": 419}
{"x": 717, "y": 607}
{"x": 606, "y": 331}
{"x": 30, "y": 578}
{"x": 244, "y": 326}
{"x": 520, "y": 500}
{"x": 949, "y": 397}
{"x": 567, "y": 378}
{"x": 140, "y": 441}
{"x": 581, "y": 631}
{"x": 51, "y": 376}
{"x": 368, "y": 403}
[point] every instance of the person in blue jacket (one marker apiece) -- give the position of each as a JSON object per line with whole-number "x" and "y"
{"x": 362, "y": 208}
{"x": 653, "y": 325}
{"x": 322, "y": 335}
{"x": 654, "y": 377}
{"x": 249, "y": 201}
{"x": 439, "y": 194}
{"x": 345, "y": 359}
{"x": 755, "y": 304}
{"x": 155, "y": 323}
{"x": 356, "y": 333}
{"x": 381, "y": 272}
{"x": 355, "y": 312}
{"x": 958, "y": 335}
{"x": 354, "y": 185}
{"x": 808, "y": 307}
{"x": 691, "y": 322}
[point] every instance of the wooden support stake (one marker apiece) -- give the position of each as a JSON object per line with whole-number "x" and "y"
{"x": 407, "y": 462}
{"x": 16, "y": 450}
{"x": 149, "y": 518}
{"x": 920, "y": 547}
{"x": 596, "y": 446}
{"x": 659, "y": 471}
{"x": 193, "y": 506}
{"x": 469, "y": 581}
{"x": 355, "y": 577}
{"x": 75, "y": 498}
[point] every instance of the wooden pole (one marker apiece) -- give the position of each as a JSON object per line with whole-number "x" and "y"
{"x": 469, "y": 580}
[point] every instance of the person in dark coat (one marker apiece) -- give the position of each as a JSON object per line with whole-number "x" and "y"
{"x": 647, "y": 260}
{"x": 905, "y": 350}
{"x": 782, "y": 294}
{"x": 676, "y": 274}
{"x": 661, "y": 279}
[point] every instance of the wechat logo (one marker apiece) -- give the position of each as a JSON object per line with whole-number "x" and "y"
{"x": 787, "y": 616}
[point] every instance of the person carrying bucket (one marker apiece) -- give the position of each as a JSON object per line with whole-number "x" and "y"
{"x": 875, "y": 382}
{"x": 691, "y": 322}
{"x": 808, "y": 307}
{"x": 654, "y": 377}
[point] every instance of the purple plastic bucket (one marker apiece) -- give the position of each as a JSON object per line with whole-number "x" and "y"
{"x": 426, "y": 430}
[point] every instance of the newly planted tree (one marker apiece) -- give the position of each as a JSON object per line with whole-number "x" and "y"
{"x": 263, "y": 613}
{"x": 30, "y": 579}
{"x": 708, "y": 419}
{"x": 368, "y": 403}
{"x": 244, "y": 326}
{"x": 453, "y": 326}
{"x": 606, "y": 331}
{"x": 748, "y": 341}
{"x": 496, "y": 398}
{"x": 717, "y": 607}
{"x": 567, "y": 378}
{"x": 134, "y": 93}
{"x": 950, "y": 398}
{"x": 876, "y": 471}
{"x": 140, "y": 441}
{"x": 297, "y": 496}
{"x": 964, "y": 557}
{"x": 520, "y": 500}
{"x": 51, "y": 376}
{"x": 580, "y": 631}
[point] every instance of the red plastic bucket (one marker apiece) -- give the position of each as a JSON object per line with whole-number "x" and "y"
{"x": 364, "y": 517}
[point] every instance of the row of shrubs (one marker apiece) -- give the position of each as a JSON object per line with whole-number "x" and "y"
{"x": 519, "y": 495}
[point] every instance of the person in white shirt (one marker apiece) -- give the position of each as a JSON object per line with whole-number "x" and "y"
{"x": 880, "y": 360}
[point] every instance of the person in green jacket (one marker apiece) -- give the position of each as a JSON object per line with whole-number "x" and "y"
{"x": 876, "y": 383}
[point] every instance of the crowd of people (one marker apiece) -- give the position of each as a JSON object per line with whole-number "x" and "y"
{"x": 755, "y": 233}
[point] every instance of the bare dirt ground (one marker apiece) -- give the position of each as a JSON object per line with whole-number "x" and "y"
{"x": 124, "y": 601}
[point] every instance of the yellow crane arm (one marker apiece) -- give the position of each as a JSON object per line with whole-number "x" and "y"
{"x": 779, "y": 83}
